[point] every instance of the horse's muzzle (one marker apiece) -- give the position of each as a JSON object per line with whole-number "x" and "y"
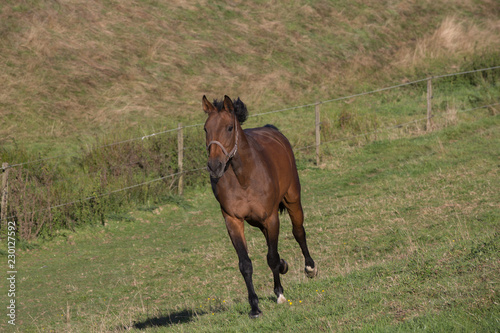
{"x": 216, "y": 168}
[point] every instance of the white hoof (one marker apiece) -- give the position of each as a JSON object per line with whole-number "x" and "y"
{"x": 281, "y": 299}
{"x": 311, "y": 272}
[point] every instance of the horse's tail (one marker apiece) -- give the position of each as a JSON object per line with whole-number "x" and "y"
{"x": 281, "y": 208}
{"x": 271, "y": 126}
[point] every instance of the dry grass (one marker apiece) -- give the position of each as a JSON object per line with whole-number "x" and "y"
{"x": 73, "y": 68}
{"x": 454, "y": 37}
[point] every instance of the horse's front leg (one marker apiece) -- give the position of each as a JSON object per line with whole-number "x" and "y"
{"x": 278, "y": 266}
{"x": 235, "y": 228}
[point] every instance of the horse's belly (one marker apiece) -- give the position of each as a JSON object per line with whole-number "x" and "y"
{"x": 256, "y": 218}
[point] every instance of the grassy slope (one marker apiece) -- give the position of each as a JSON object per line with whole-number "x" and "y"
{"x": 71, "y": 69}
{"x": 80, "y": 74}
{"x": 406, "y": 234}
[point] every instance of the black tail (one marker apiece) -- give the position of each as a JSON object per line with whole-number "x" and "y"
{"x": 272, "y": 126}
{"x": 281, "y": 208}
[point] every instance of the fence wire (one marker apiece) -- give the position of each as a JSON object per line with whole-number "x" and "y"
{"x": 266, "y": 113}
{"x": 204, "y": 168}
{"x": 107, "y": 193}
{"x": 255, "y": 115}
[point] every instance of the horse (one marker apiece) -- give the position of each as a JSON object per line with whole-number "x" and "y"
{"x": 254, "y": 176}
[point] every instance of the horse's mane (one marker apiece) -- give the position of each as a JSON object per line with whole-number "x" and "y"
{"x": 240, "y": 109}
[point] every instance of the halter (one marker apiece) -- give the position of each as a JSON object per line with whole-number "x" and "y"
{"x": 235, "y": 148}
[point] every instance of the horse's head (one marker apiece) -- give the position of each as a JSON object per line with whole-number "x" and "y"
{"x": 221, "y": 130}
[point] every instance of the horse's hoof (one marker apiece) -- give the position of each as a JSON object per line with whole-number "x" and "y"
{"x": 311, "y": 272}
{"x": 255, "y": 314}
{"x": 281, "y": 299}
{"x": 283, "y": 267}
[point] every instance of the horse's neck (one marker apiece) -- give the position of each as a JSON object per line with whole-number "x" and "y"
{"x": 243, "y": 163}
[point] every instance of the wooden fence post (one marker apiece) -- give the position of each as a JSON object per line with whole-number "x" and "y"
{"x": 318, "y": 138}
{"x": 429, "y": 104}
{"x": 180, "y": 157}
{"x": 5, "y": 193}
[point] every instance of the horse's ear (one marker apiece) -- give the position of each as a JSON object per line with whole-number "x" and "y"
{"x": 228, "y": 104}
{"x": 207, "y": 106}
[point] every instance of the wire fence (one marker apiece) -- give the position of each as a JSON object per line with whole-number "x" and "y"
{"x": 392, "y": 127}
{"x": 197, "y": 148}
{"x": 267, "y": 113}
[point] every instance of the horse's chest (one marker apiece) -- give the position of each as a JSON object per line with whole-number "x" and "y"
{"x": 248, "y": 204}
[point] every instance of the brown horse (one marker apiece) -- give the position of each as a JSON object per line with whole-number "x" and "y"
{"x": 253, "y": 176}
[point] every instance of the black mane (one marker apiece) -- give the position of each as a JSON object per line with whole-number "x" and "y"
{"x": 240, "y": 109}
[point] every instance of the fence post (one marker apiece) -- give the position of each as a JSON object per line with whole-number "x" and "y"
{"x": 318, "y": 138}
{"x": 5, "y": 193}
{"x": 429, "y": 104}
{"x": 180, "y": 157}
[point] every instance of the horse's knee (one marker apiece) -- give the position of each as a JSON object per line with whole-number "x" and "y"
{"x": 246, "y": 267}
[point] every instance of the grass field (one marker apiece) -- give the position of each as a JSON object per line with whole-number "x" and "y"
{"x": 405, "y": 232}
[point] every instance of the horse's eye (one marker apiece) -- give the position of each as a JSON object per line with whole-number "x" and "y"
{"x": 230, "y": 128}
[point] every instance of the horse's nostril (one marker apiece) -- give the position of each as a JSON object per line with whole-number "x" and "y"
{"x": 214, "y": 165}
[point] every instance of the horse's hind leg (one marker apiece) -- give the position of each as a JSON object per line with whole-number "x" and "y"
{"x": 294, "y": 209}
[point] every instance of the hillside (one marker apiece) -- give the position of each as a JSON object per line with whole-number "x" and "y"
{"x": 405, "y": 233}
{"x": 73, "y": 70}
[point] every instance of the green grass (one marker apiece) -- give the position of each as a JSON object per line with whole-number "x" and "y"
{"x": 405, "y": 232}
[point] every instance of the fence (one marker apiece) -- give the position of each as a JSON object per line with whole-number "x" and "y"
{"x": 181, "y": 149}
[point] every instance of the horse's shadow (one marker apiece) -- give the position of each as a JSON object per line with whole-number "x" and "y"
{"x": 174, "y": 318}
{"x": 180, "y": 317}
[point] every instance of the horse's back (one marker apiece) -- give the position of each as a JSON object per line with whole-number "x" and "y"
{"x": 277, "y": 152}
{"x": 270, "y": 141}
